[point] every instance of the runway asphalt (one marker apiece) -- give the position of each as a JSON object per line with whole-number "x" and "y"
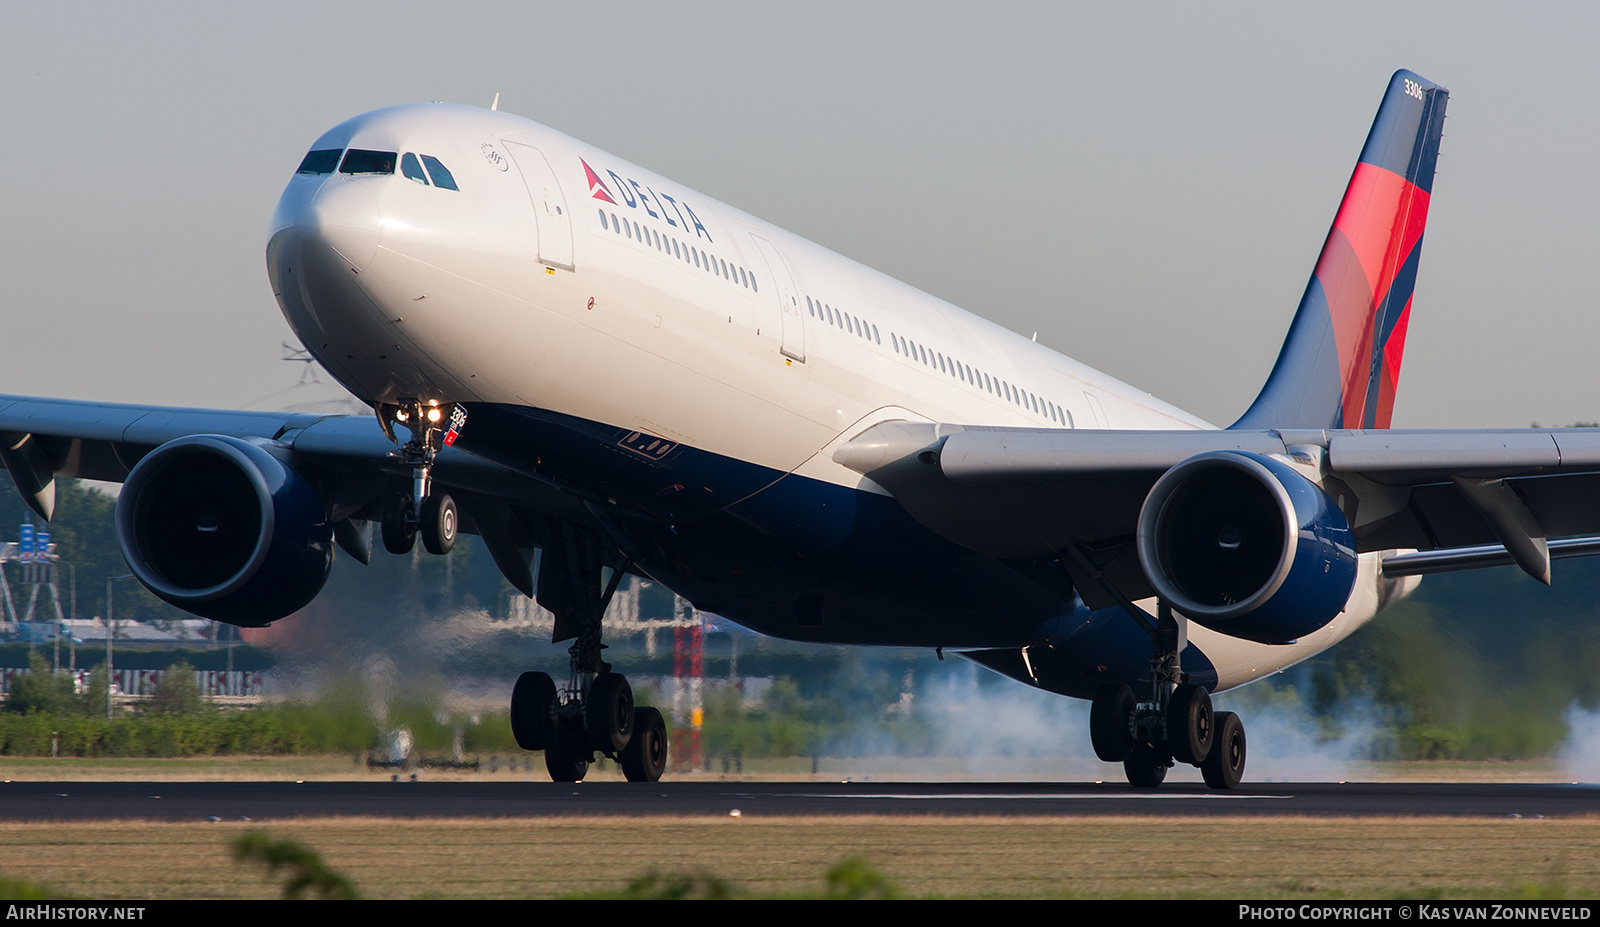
{"x": 263, "y": 801}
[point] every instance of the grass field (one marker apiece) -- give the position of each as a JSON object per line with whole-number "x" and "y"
{"x": 966, "y": 857}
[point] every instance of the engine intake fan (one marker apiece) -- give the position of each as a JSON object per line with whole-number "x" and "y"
{"x": 221, "y": 528}
{"x": 1244, "y": 544}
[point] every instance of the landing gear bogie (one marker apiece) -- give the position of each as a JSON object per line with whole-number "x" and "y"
{"x": 1149, "y": 738}
{"x": 573, "y": 729}
{"x": 1175, "y": 724}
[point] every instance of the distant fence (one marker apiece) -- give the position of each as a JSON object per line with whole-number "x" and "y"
{"x": 136, "y": 682}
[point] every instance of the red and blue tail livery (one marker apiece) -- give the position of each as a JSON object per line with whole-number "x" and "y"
{"x": 1341, "y": 361}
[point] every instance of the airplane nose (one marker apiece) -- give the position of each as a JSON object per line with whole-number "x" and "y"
{"x": 341, "y": 214}
{"x": 347, "y": 216}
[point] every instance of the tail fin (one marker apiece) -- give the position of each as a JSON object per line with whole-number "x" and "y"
{"x": 1340, "y": 363}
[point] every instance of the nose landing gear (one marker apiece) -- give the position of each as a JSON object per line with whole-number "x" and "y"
{"x": 433, "y": 426}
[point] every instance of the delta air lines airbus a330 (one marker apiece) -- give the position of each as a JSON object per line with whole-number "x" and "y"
{"x": 568, "y": 354}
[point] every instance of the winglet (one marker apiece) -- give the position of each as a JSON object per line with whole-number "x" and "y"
{"x": 1341, "y": 360}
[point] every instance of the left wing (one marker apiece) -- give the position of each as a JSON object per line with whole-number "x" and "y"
{"x": 1019, "y": 493}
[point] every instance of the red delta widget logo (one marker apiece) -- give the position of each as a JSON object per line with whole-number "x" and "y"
{"x": 639, "y": 196}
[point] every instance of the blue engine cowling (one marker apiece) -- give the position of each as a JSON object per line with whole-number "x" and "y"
{"x": 1243, "y": 544}
{"x": 221, "y": 528}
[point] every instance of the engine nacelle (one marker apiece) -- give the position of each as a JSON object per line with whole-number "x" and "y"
{"x": 220, "y": 528}
{"x": 1245, "y": 545}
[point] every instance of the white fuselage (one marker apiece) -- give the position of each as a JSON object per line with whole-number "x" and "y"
{"x": 560, "y": 277}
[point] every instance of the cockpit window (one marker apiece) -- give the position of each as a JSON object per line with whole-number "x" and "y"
{"x": 413, "y": 170}
{"x": 358, "y": 161}
{"x": 441, "y": 175}
{"x": 320, "y": 162}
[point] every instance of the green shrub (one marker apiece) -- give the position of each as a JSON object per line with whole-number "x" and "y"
{"x": 40, "y": 690}
{"x": 177, "y": 693}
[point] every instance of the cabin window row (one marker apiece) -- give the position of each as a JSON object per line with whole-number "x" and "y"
{"x": 838, "y": 318}
{"x": 980, "y": 380}
{"x": 704, "y": 260}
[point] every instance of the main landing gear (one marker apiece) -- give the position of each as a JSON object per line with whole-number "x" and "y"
{"x": 1175, "y": 725}
{"x": 594, "y": 713}
{"x": 433, "y": 426}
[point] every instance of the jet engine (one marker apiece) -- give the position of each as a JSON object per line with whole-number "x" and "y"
{"x": 221, "y": 528}
{"x": 1245, "y": 545}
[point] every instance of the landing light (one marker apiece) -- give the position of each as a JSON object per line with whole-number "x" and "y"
{"x": 434, "y": 415}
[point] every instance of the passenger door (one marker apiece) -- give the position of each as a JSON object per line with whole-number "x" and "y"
{"x": 549, "y": 205}
{"x": 791, "y": 320}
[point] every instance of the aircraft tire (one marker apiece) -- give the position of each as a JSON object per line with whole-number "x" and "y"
{"x": 1108, "y": 722}
{"x": 1191, "y": 725}
{"x": 644, "y": 759}
{"x": 439, "y": 523}
{"x": 1224, "y": 767}
{"x": 608, "y": 713}
{"x": 1145, "y": 767}
{"x": 532, "y": 699}
{"x": 565, "y": 761}
{"x": 398, "y": 536}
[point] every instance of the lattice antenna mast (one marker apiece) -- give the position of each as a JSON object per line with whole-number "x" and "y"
{"x": 308, "y": 373}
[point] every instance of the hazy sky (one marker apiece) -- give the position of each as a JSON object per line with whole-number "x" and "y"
{"x": 1146, "y": 186}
